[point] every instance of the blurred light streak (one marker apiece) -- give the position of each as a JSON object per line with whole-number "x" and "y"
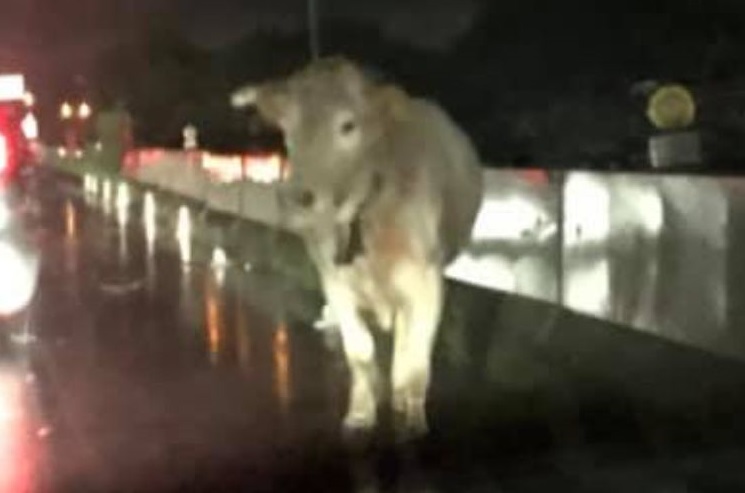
{"x": 106, "y": 196}
{"x": 19, "y": 279}
{"x": 149, "y": 218}
{"x": 71, "y": 221}
{"x": 214, "y": 321}
{"x": 17, "y": 454}
{"x": 122, "y": 205}
{"x": 183, "y": 234}
{"x": 219, "y": 264}
{"x": 281, "y": 347}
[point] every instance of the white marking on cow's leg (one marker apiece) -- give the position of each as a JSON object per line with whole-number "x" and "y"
{"x": 415, "y": 332}
{"x": 359, "y": 349}
{"x": 326, "y": 320}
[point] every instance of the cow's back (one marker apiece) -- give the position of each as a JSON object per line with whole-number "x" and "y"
{"x": 437, "y": 169}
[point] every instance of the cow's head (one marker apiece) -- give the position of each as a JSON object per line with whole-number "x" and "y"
{"x": 332, "y": 115}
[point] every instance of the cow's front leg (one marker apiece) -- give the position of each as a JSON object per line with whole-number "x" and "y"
{"x": 359, "y": 349}
{"x": 414, "y": 338}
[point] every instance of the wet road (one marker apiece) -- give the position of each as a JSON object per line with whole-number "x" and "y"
{"x": 152, "y": 374}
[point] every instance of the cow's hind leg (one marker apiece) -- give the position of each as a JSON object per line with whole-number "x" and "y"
{"x": 414, "y": 338}
{"x": 359, "y": 349}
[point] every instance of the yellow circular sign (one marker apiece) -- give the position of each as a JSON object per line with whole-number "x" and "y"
{"x": 671, "y": 107}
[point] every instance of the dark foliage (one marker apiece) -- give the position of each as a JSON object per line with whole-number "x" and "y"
{"x": 533, "y": 82}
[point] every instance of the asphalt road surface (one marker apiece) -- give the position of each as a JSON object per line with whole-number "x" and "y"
{"x": 147, "y": 373}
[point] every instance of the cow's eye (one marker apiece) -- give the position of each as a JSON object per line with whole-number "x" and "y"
{"x": 347, "y": 127}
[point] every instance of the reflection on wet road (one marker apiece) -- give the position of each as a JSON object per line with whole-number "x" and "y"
{"x": 162, "y": 368}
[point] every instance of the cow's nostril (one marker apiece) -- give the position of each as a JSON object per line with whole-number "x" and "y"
{"x": 304, "y": 198}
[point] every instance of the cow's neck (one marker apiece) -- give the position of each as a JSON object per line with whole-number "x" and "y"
{"x": 349, "y": 228}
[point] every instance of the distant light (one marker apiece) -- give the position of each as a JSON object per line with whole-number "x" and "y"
{"x": 84, "y": 111}
{"x": 90, "y": 185}
{"x": 98, "y": 146}
{"x": 225, "y": 169}
{"x": 3, "y": 153}
{"x": 61, "y": 152}
{"x": 219, "y": 257}
{"x": 66, "y": 111}
{"x": 29, "y": 99}
{"x": 264, "y": 169}
{"x": 79, "y": 153}
{"x": 30, "y": 127}
{"x": 12, "y": 87}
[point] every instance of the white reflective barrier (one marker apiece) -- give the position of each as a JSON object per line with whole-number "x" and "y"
{"x": 658, "y": 253}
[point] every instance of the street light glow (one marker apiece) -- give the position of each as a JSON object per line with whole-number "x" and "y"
{"x": 65, "y": 111}
{"x": 29, "y": 99}
{"x": 30, "y": 127}
{"x": 84, "y": 111}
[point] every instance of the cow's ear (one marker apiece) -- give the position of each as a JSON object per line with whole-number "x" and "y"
{"x": 274, "y": 102}
{"x": 278, "y": 105}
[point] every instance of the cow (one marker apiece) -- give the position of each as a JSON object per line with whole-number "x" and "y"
{"x": 384, "y": 189}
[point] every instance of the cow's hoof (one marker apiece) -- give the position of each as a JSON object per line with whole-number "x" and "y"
{"x": 358, "y": 433}
{"x": 409, "y": 420}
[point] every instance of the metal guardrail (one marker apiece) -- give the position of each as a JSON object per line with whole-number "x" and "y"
{"x": 654, "y": 252}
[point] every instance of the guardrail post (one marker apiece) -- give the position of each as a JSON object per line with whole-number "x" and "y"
{"x": 560, "y": 220}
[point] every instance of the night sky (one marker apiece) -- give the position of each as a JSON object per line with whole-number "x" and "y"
{"x": 55, "y": 35}
{"x": 59, "y": 40}
{"x": 427, "y": 23}
{"x": 67, "y": 33}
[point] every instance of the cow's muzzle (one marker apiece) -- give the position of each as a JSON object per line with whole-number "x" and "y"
{"x": 299, "y": 198}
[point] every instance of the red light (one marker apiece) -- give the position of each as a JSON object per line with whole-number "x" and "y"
{"x": 4, "y": 161}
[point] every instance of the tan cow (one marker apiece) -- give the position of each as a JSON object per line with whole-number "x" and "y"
{"x": 384, "y": 188}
